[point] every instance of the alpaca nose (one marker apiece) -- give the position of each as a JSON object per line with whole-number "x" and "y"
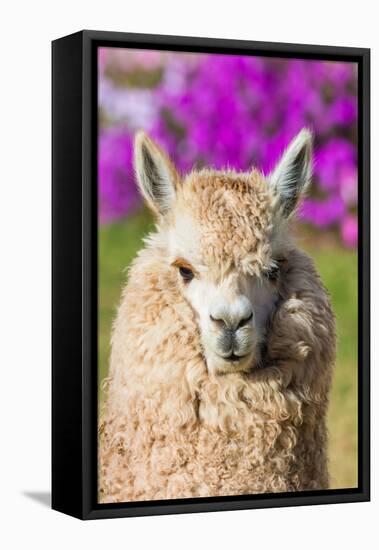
{"x": 232, "y": 316}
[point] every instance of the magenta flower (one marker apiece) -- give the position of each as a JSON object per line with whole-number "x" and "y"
{"x": 117, "y": 190}
{"x": 323, "y": 213}
{"x": 333, "y": 161}
{"x": 226, "y": 110}
{"x": 349, "y": 231}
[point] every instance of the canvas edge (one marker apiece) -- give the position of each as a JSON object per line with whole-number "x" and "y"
{"x": 86, "y": 506}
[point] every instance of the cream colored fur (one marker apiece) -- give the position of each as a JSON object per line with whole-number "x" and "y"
{"x": 171, "y": 426}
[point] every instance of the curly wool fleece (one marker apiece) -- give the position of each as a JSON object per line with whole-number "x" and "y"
{"x": 171, "y": 429}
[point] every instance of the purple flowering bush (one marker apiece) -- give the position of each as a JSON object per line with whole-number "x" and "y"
{"x": 235, "y": 111}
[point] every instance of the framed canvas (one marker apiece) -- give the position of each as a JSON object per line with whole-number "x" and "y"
{"x": 210, "y": 275}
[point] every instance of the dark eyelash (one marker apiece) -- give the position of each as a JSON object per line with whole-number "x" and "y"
{"x": 272, "y": 274}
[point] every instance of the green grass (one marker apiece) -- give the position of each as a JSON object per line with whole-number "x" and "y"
{"x": 118, "y": 244}
{"x": 339, "y": 271}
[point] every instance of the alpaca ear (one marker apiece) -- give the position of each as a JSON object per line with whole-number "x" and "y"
{"x": 156, "y": 175}
{"x": 293, "y": 173}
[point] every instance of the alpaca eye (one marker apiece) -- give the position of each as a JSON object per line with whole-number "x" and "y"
{"x": 186, "y": 273}
{"x": 272, "y": 274}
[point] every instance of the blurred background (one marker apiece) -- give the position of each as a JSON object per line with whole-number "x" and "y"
{"x": 217, "y": 110}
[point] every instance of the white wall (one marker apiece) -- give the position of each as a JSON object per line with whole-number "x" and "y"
{"x": 26, "y": 31}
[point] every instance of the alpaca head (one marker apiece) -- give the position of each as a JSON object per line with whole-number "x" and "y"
{"x": 225, "y": 238}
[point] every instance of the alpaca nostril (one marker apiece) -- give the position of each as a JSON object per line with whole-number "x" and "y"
{"x": 229, "y": 324}
{"x": 245, "y": 321}
{"x": 220, "y": 322}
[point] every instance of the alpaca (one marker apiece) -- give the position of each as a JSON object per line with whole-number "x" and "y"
{"x": 223, "y": 347}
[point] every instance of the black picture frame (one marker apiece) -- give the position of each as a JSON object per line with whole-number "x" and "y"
{"x": 74, "y": 273}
